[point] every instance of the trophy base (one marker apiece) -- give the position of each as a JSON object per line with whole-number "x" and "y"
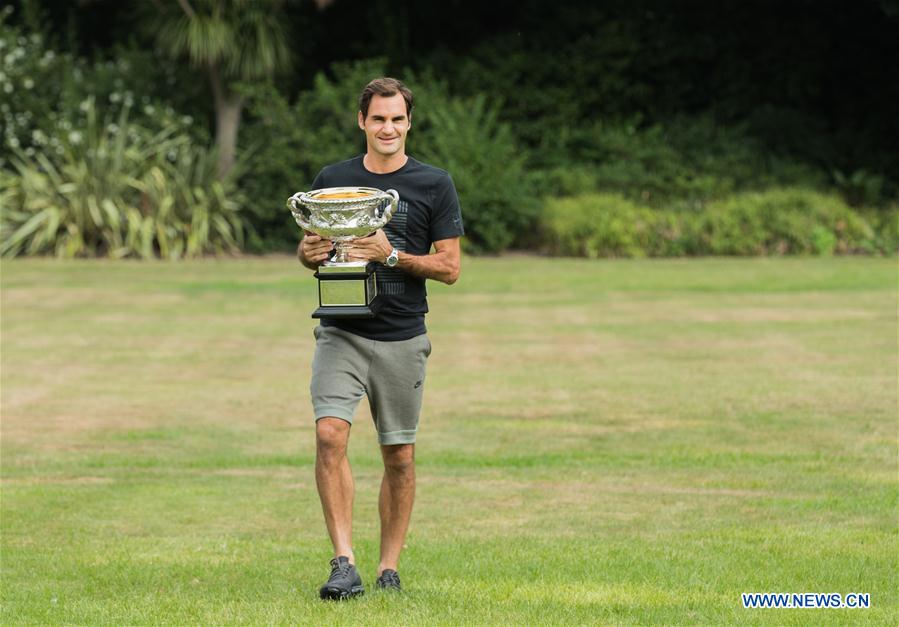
{"x": 347, "y": 290}
{"x": 349, "y": 311}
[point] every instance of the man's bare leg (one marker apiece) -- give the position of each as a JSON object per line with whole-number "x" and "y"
{"x": 395, "y": 502}
{"x": 335, "y": 482}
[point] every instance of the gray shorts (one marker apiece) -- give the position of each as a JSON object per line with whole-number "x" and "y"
{"x": 347, "y": 367}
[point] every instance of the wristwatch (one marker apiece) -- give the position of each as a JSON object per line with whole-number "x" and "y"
{"x": 393, "y": 258}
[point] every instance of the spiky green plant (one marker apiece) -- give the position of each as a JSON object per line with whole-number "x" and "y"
{"x": 118, "y": 190}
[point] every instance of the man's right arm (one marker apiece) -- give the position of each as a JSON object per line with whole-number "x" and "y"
{"x": 313, "y": 250}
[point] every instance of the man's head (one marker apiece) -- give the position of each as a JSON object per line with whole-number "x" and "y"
{"x": 385, "y": 87}
{"x": 385, "y": 114}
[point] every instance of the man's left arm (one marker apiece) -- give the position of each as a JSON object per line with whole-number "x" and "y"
{"x": 444, "y": 264}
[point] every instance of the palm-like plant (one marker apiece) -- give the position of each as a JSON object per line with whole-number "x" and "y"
{"x": 230, "y": 40}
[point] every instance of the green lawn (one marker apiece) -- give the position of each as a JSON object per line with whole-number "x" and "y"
{"x": 602, "y": 442}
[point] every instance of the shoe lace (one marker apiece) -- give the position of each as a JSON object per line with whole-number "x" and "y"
{"x": 390, "y": 577}
{"x": 338, "y": 570}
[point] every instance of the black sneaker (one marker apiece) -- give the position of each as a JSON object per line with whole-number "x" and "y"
{"x": 389, "y": 580}
{"x": 344, "y": 581}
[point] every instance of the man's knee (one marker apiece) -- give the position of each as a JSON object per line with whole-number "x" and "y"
{"x": 331, "y": 436}
{"x": 399, "y": 459}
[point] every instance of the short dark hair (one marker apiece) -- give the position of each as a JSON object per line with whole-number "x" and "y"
{"x": 385, "y": 87}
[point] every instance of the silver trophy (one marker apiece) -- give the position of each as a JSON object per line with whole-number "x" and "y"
{"x": 346, "y": 289}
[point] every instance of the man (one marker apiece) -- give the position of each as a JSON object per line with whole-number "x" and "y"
{"x": 384, "y": 357}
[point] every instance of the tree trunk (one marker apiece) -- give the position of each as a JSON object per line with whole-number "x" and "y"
{"x": 228, "y": 108}
{"x": 227, "y": 122}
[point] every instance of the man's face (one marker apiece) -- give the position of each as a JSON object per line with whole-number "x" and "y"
{"x": 386, "y": 125}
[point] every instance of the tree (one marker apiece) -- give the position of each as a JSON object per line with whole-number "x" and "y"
{"x": 231, "y": 41}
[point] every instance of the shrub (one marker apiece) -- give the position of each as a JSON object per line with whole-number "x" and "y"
{"x": 30, "y": 76}
{"x": 687, "y": 161}
{"x": 885, "y": 222}
{"x": 644, "y": 165}
{"x": 778, "y": 221}
{"x": 598, "y": 225}
{"x": 568, "y": 180}
{"x": 44, "y": 92}
{"x": 465, "y": 138}
{"x": 860, "y": 188}
{"x": 118, "y": 190}
{"x": 784, "y": 221}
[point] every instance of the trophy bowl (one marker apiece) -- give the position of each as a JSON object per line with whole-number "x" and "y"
{"x": 342, "y": 214}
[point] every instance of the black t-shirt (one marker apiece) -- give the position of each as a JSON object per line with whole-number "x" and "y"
{"x": 428, "y": 211}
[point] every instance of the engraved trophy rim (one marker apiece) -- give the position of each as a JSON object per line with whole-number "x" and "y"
{"x": 314, "y": 196}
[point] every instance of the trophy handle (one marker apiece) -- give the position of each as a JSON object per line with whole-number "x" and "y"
{"x": 388, "y": 211}
{"x": 300, "y": 212}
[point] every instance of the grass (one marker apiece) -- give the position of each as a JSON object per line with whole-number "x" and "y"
{"x": 602, "y": 442}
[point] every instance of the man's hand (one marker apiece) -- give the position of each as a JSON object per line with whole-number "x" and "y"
{"x": 375, "y": 247}
{"x": 314, "y": 250}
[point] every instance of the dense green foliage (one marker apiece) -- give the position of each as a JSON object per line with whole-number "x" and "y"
{"x": 524, "y": 105}
{"x": 45, "y": 91}
{"x": 778, "y": 221}
{"x": 466, "y": 138}
{"x": 809, "y": 82}
{"x": 686, "y": 161}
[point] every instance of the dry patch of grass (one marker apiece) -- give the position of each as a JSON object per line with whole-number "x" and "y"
{"x": 64, "y": 481}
